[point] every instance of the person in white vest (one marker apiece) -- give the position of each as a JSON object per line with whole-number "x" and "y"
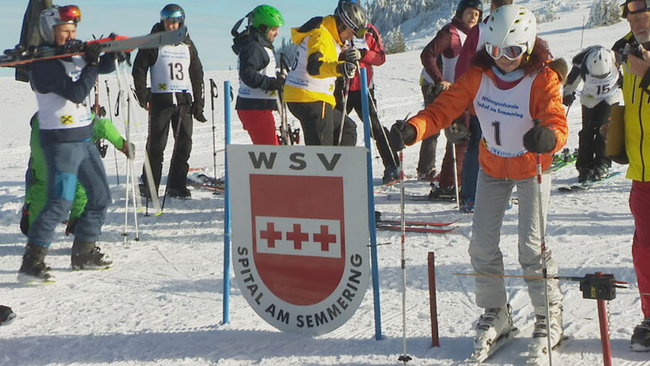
{"x": 62, "y": 87}
{"x": 175, "y": 96}
{"x": 435, "y": 78}
{"x": 259, "y": 82}
{"x": 596, "y": 67}
{"x": 516, "y": 94}
{"x": 309, "y": 90}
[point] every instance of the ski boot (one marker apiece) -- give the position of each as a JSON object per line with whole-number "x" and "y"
{"x": 493, "y": 325}
{"x": 584, "y": 174}
{"x": 391, "y": 176}
{"x": 428, "y": 177}
{"x": 6, "y": 315}
{"x": 467, "y": 206}
{"x": 538, "y": 349}
{"x": 179, "y": 193}
{"x": 600, "y": 172}
{"x": 85, "y": 255}
{"x": 443, "y": 194}
{"x": 641, "y": 337}
{"x": 33, "y": 269}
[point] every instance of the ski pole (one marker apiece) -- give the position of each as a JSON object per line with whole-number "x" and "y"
{"x": 383, "y": 131}
{"x": 404, "y": 357}
{"x": 457, "y": 191}
{"x": 214, "y": 93}
{"x": 110, "y": 113}
{"x": 129, "y": 160}
{"x": 344, "y": 115}
{"x": 542, "y": 236}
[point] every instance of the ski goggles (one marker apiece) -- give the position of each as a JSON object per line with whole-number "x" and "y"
{"x": 175, "y": 16}
{"x": 509, "y": 52}
{"x": 634, "y": 7}
{"x": 70, "y": 13}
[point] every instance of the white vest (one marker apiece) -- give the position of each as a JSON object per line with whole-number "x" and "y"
{"x": 58, "y": 113}
{"x": 299, "y": 77}
{"x": 596, "y": 90}
{"x": 504, "y": 116}
{"x": 448, "y": 64}
{"x": 246, "y": 91}
{"x": 171, "y": 72}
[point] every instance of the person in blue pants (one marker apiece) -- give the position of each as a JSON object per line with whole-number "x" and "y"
{"x": 62, "y": 87}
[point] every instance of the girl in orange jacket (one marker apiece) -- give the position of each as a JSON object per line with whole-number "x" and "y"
{"x": 518, "y": 101}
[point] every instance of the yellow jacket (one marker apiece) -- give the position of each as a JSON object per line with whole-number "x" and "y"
{"x": 637, "y": 123}
{"x": 315, "y": 72}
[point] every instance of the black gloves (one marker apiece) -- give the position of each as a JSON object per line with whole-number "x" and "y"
{"x": 568, "y": 99}
{"x": 347, "y": 69}
{"x": 92, "y": 52}
{"x": 197, "y": 111}
{"x": 457, "y": 132}
{"x": 278, "y": 82}
{"x": 540, "y": 140}
{"x": 401, "y": 133}
{"x": 128, "y": 149}
{"x": 352, "y": 55}
{"x": 144, "y": 97}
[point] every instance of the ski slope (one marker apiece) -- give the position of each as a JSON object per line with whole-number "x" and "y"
{"x": 162, "y": 302}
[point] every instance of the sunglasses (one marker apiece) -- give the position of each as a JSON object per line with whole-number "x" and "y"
{"x": 633, "y": 7}
{"x": 361, "y": 32}
{"x": 70, "y": 13}
{"x": 509, "y": 52}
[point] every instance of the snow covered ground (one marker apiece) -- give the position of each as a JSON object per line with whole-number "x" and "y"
{"x": 162, "y": 302}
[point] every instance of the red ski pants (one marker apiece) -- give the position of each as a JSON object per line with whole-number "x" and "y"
{"x": 260, "y": 125}
{"x": 640, "y": 207}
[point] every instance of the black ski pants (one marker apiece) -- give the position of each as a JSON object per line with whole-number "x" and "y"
{"x": 379, "y": 132}
{"x": 321, "y": 124}
{"x": 427, "y": 161}
{"x": 591, "y": 144}
{"x": 164, "y": 113}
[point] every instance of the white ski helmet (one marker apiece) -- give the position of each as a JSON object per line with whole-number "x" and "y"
{"x": 599, "y": 61}
{"x": 512, "y": 25}
{"x": 57, "y": 15}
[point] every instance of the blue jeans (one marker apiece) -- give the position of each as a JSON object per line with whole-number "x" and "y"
{"x": 470, "y": 164}
{"x": 67, "y": 163}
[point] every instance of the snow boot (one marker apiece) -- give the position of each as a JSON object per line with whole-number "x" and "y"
{"x": 33, "y": 269}
{"x": 6, "y": 315}
{"x": 492, "y": 324}
{"x": 641, "y": 337}
{"x": 85, "y": 255}
{"x": 391, "y": 176}
{"x": 443, "y": 194}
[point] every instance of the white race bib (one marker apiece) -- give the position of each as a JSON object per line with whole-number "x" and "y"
{"x": 171, "y": 72}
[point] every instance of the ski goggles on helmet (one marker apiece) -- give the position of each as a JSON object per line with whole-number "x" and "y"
{"x": 70, "y": 13}
{"x": 634, "y": 7}
{"x": 175, "y": 16}
{"x": 509, "y": 52}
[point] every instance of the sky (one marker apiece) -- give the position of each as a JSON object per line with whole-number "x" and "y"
{"x": 209, "y": 22}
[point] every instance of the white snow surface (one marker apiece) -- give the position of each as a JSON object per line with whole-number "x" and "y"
{"x": 161, "y": 304}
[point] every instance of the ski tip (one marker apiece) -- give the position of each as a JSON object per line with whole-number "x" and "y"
{"x": 158, "y": 213}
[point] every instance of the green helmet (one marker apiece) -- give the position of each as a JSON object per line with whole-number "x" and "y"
{"x": 265, "y": 17}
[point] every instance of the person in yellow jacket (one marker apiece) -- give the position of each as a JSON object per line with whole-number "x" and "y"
{"x": 309, "y": 89}
{"x": 516, "y": 95}
{"x": 633, "y": 49}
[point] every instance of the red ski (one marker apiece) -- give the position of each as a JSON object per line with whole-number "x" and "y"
{"x": 415, "y": 223}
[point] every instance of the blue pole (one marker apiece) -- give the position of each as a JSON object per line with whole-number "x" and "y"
{"x": 227, "y": 228}
{"x": 365, "y": 108}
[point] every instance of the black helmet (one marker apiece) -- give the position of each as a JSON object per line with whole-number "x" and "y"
{"x": 352, "y": 15}
{"x": 173, "y": 12}
{"x": 464, "y": 4}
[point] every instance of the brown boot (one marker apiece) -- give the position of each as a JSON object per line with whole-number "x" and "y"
{"x": 85, "y": 255}
{"x": 33, "y": 269}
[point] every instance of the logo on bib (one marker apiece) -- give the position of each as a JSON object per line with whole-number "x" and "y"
{"x": 162, "y": 86}
{"x": 67, "y": 119}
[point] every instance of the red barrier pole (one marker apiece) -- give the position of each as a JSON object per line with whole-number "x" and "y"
{"x": 604, "y": 330}
{"x": 433, "y": 302}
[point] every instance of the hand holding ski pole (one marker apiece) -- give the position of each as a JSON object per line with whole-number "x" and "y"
{"x": 401, "y": 134}
{"x": 540, "y": 139}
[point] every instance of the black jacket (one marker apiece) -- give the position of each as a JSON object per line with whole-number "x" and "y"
{"x": 146, "y": 58}
{"x": 253, "y": 58}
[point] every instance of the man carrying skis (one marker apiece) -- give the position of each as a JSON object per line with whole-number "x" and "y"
{"x": 36, "y": 176}
{"x": 473, "y": 44}
{"x": 633, "y": 51}
{"x": 447, "y": 45}
{"x": 62, "y": 87}
{"x": 596, "y": 67}
{"x": 258, "y": 82}
{"x": 513, "y": 71}
{"x": 176, "y": 94}
{"x": 309, "y": 90}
